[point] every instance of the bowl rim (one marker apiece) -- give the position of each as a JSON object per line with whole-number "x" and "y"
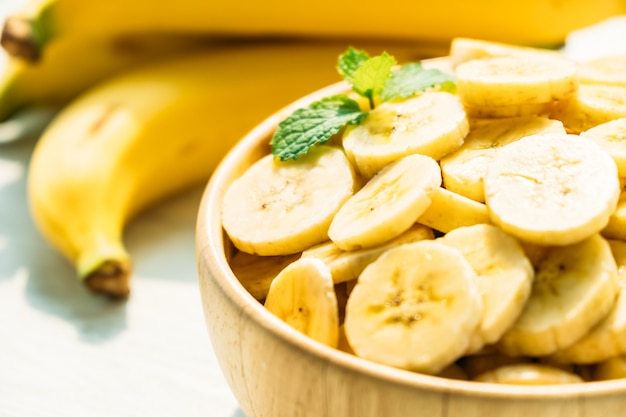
{"x": 210, "y": 251}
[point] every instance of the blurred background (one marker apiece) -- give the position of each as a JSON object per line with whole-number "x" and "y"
{"x": 65, "y": 352}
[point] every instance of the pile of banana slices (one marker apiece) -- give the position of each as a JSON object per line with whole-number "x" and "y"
{"x": 478, "y": 235}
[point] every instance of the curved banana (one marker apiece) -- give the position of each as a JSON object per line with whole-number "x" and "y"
{"x": 72, "y": 65}
{"x": 537, "y": 22}
{"x": 144, "y": 135}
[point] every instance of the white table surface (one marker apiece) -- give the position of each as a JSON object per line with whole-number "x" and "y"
{"x": 66, "y": 353}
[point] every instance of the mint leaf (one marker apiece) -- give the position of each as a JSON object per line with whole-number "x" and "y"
{"x": 412, "y": 78}
{"x": 350, "y": 61}
{"x": 368, "y": 81}
{"x": 313, "y": 125}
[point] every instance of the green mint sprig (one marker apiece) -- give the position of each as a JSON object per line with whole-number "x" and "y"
{"x": 370, "y": 77}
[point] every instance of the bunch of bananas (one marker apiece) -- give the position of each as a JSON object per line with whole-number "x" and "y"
{"x": 144, "y": 100}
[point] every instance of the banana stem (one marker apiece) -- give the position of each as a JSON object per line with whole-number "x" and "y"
{"x": 20, "y": 39}
{"x": 111, "y": 278}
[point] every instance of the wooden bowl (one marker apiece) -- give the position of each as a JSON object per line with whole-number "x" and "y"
{"x": 275, "y": 371}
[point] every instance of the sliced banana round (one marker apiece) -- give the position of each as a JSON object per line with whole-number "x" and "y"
{"x": 574, "y": 288}
{"x": 432, "y": 123}
{"x": 449, "y": 210}
{"x": 348, "y": 265}
{"x": 516, "y": 80}
{"x": 608, "y": 338}
{"x": 504, "y": 277}
{"x": 463, "y": 171}
{"x": 529, "y": 374}
{"x": 303, "y": 296}
{"x": 387, "y": 205}
{"x": 611, "y": 136}
{"x": 616, "y": 228}
{"x": 551, "y": 189}
{"x": 593, "y": 104}
{"x": 466, "y": 49}
{"x": 280, "y": 208}
{"x": 604, "y": 70}
{"x": 414, "y": 308}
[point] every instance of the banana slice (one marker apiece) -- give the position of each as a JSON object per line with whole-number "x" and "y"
{"x": 433, "y": 124}
{"x": 303, "y": 296}
{"x": 256, "y": 273}
{"x": 463, "y": 171}
{"x": 388, "y": 205}
{"x": 608, "y": 338}
{"x": 614, "y": 368}
{"x": 574, "y": 288}
{"x": 348, "y": 265}
{"x": 414, "y": 308}
{"x": 449, "y": 210}
{"x": 529, "y": 374}
{"x": 593, "y": 104}
{"x": 466, "y": 49}
{"x": 616, "y": 228}
{"x": 551, "y": 189}
{"x": 611, "y": 136}
{"x": 280, "y": 208}
{"x": 605, "y": 70}
{"x": 504, "y": 277}
{"x": 515, "y": 80}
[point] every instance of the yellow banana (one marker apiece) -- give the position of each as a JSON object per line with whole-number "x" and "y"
{"x": 537, "y": 22}
{"x": 144, "y": 135}
{"x": 72, "y": 65}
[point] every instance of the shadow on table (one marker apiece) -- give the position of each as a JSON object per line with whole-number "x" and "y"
{"x": 238, "y": 413}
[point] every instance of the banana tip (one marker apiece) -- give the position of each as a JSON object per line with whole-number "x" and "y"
{"x": 111, "y": 279}
{"x": 19, "y": 39}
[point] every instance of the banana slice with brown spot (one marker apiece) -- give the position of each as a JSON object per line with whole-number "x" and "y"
{"x": 552, "y": 189}
{"x": 504, "y": 278}
{"x": 303, "y": 296}
{"x": 432, "y": 124}
{"x": 281, "y": 208}
{"x": 414, "y": 308}
{"x": 388, "y": 205}
{"x": 574, "y": 289}
{"x": 608, "y": 338}
{"x": 464, "y": 170}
